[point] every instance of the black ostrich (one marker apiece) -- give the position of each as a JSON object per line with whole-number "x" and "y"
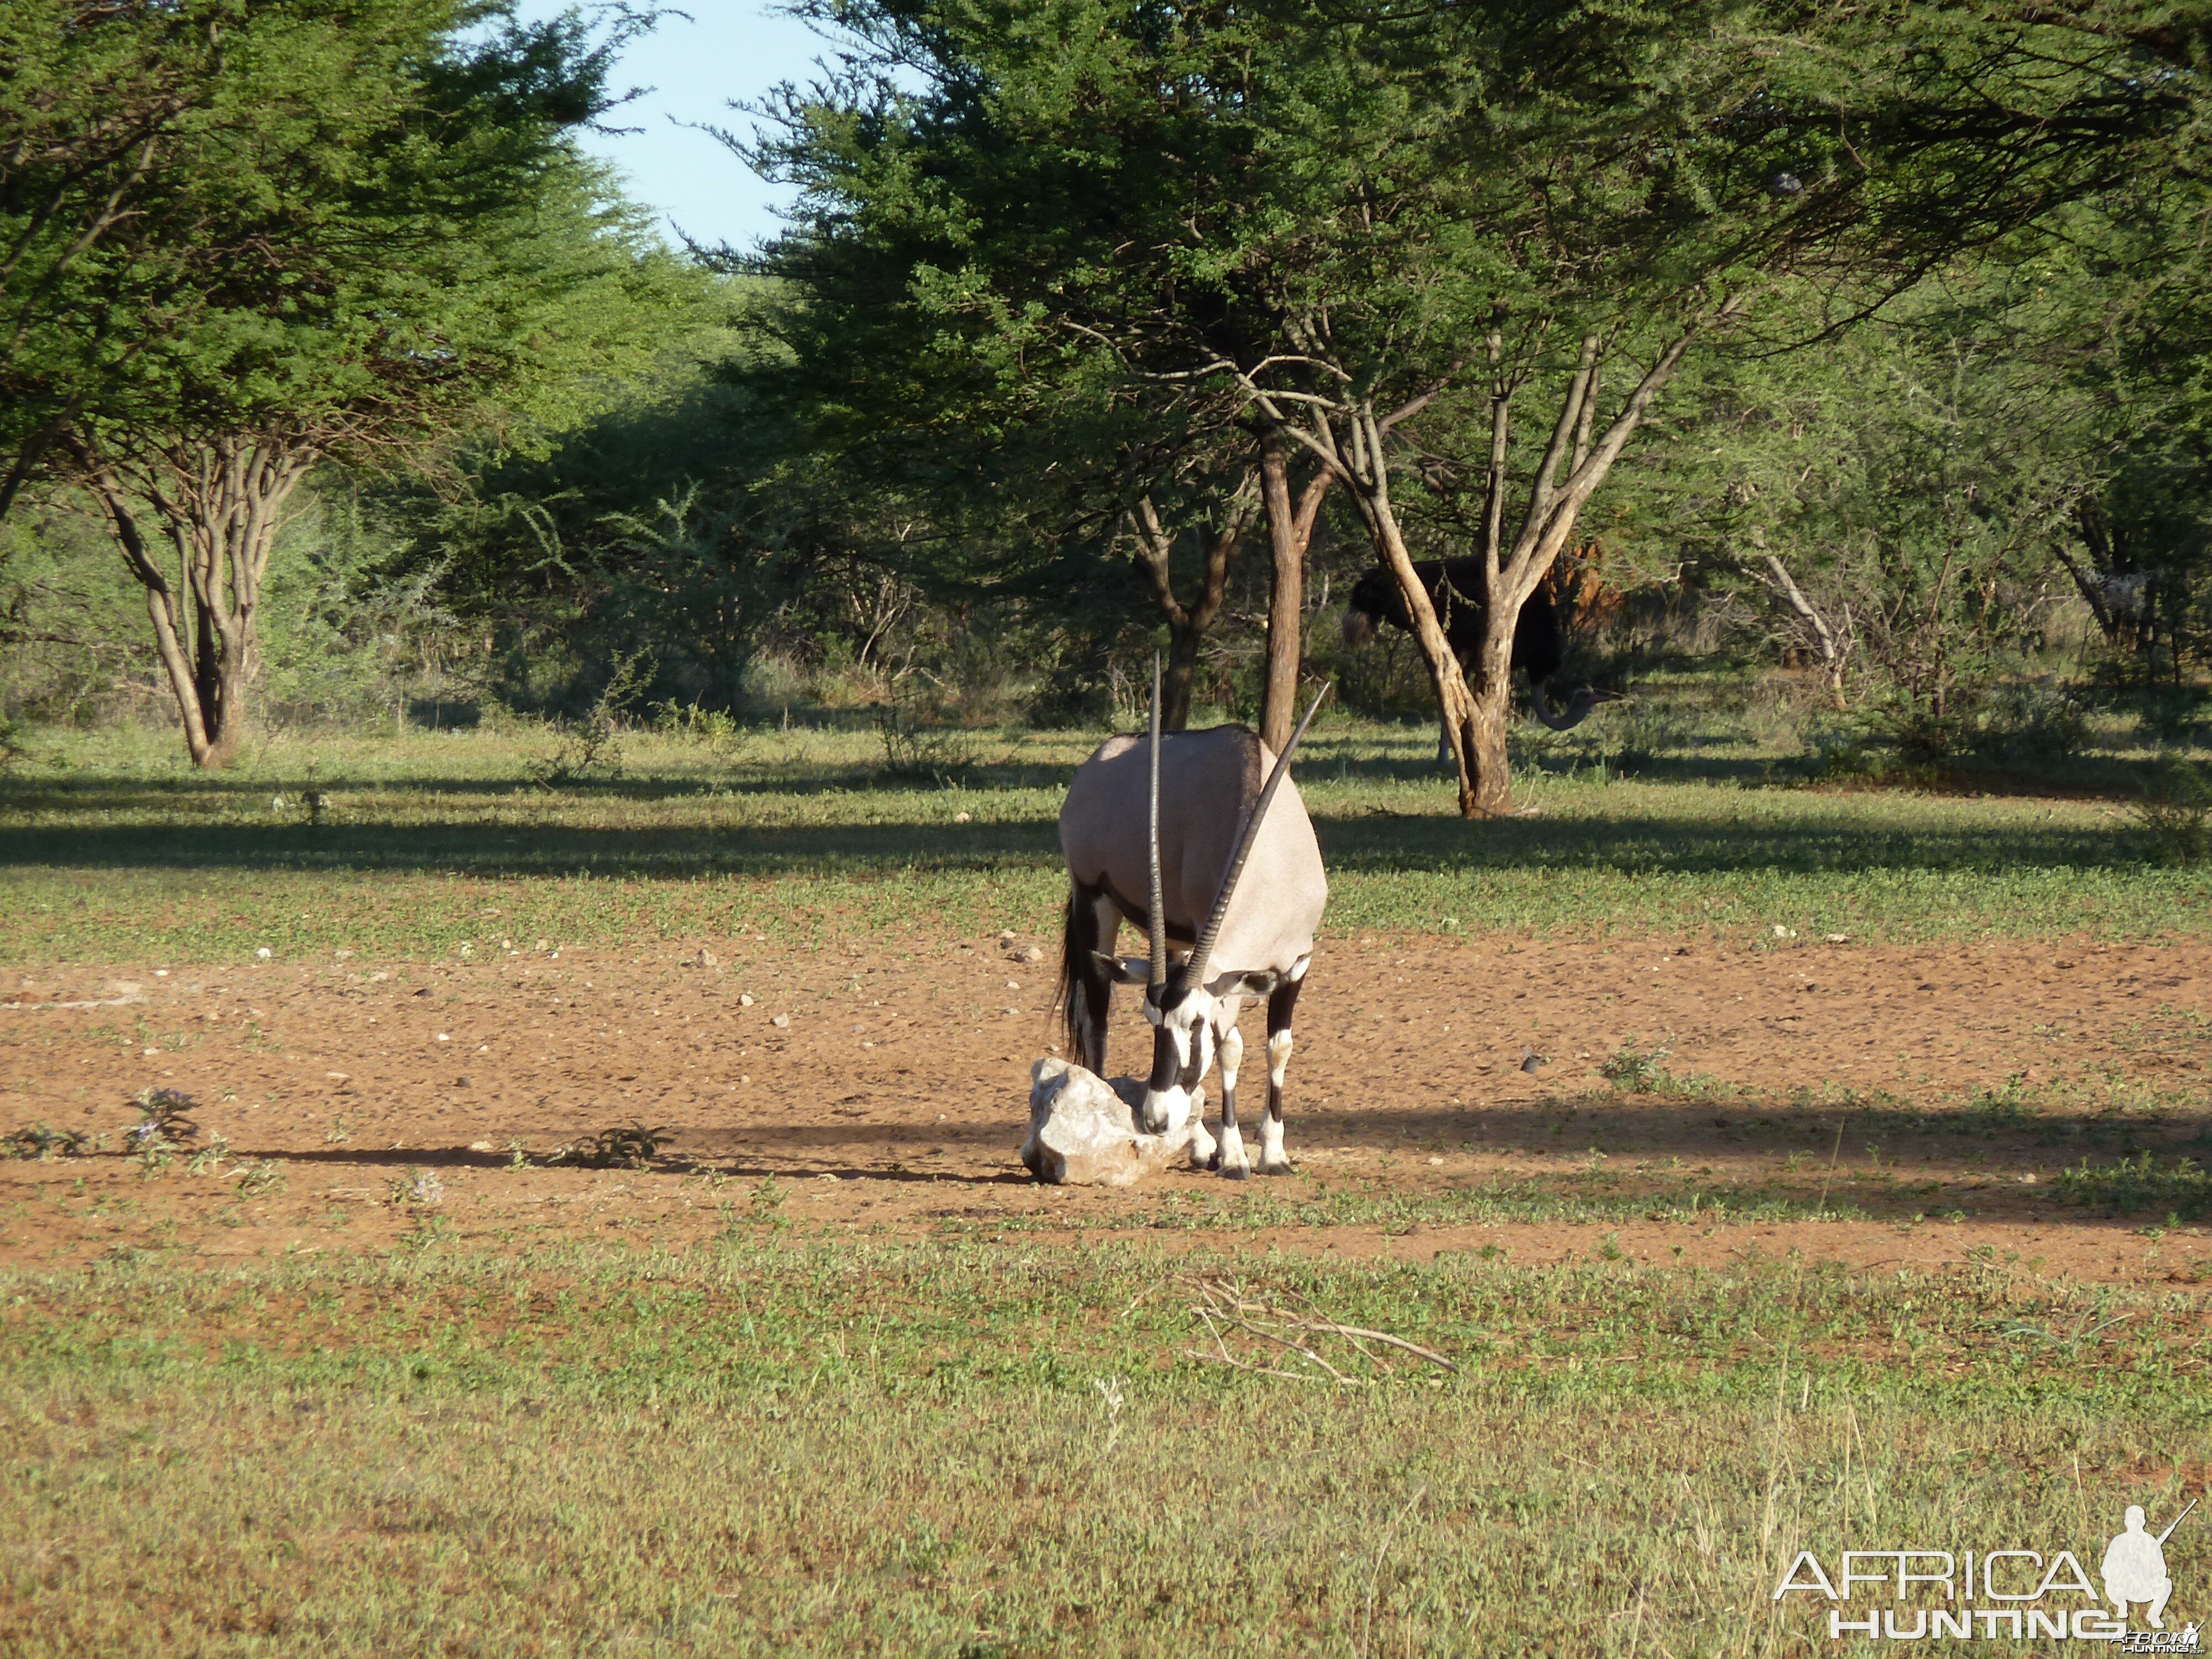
{"x": 1454, "y": 588}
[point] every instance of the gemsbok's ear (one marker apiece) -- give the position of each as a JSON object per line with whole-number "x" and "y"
{"x": 1256, "y": 984}
{"x": 1124, "y": 970}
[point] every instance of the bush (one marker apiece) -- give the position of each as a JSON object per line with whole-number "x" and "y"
{"x": 2176, "y": 812}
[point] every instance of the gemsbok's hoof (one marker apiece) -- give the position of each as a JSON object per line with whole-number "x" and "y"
{"x": 1280, "y": 1167}
{"x": 1236, "y": 1172}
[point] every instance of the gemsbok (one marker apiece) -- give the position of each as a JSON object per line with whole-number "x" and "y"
{"x": 1230, "y": 868}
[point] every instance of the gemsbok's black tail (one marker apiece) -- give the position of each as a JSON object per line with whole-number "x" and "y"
{"x": 1079, "y": 939}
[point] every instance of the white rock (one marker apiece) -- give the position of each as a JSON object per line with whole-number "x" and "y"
{"x": 780, "y": 1021}
{"x": 744, "y": 999}
{"x": 1083, "y": 1130}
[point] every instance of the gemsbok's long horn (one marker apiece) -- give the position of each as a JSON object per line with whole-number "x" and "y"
{"x": 1195, "y": 973}
{"x": 1155, "y": 914}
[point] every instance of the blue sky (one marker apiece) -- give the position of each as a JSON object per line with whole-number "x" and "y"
{"x": 730, "y": 50}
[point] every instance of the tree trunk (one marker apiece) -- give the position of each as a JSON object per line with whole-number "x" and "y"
{"x": 1187, "y": 624}
{"x": 1478, "y": 745}
{"x": 220, "y": 503}
{"x": 1184, "y": 638}
{"x": 1474, "y": 721}
{"x": 1832, "y": 652}
{"x": 1290, "y": 533}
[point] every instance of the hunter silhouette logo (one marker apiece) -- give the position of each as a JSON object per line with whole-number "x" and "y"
{"x": 2135, "y": 1568}
{"x": 2014, "y": 1594}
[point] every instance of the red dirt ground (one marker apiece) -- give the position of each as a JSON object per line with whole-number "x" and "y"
{"x": 894, "y": 1095}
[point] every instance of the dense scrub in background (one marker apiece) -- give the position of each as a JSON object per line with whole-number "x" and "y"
{"x": 1963, "y": 546}
{"x": 1968, "y": 517}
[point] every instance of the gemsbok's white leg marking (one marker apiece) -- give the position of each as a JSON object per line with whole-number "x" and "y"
{"x": 1272, "y": 1159}
{"x": 1202, "y": 1143}
{"x": 1234, "y": 1164}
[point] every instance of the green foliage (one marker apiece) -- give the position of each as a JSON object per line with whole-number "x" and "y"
{"x": 591, "y": 745}
{"x": 1633, "y": 1071}
{"x": 919, "y": 748}
{"x": 165, "y": 1127}
{"x": 2175, "y": 811}
{"x": 43, "y": 1142}
{"x": 260, "y": 1178}
{"x": 394, "y": 248}
{"x": 2180, "y": 1188}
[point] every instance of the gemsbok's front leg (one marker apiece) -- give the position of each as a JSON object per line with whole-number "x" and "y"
{"x": 1235, "y": 1166}
{"x": 1280, "y": 1003}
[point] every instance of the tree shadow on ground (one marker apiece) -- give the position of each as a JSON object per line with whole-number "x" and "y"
{"x": 1644, "y": 842}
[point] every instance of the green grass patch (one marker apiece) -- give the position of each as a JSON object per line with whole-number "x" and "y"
{"x": 776, "y": 1444}
{"x": 405, "y": 847}
{"x": 2178, "y": 1190}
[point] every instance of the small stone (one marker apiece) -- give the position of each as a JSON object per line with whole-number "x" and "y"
{"x": 1007, "y": 938}
{"x": 444, "y": 1036}
{"x": 264, "y": 953}
{"x": 1530, "y": 1061}
{"x": 744, "y": 999}
{"x": 479, "y": 1145}
{"x": 960, "y": 817}
{"x": 334, "y": 1076}
{"x": 1033, "y": 953}
{"x": 1835, "y": 939}
{"x": 705, "y": 958}
{"x": 1436, "y": 1164}
{"x": 780, "y": 1021}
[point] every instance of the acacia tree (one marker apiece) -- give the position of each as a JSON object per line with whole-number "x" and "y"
{"x": 1018, "y": 223}
{"x": 1448, "y": 258}
{"x": 418, "y": 256}
{"x": 1529, "y": 216}
{"x": 96, "y": 98}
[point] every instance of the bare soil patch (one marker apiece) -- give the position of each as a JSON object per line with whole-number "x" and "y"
{"x": 1915, "y": 1103}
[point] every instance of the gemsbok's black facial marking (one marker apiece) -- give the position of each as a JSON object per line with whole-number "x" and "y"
{"x": 1167, "y": 1063}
